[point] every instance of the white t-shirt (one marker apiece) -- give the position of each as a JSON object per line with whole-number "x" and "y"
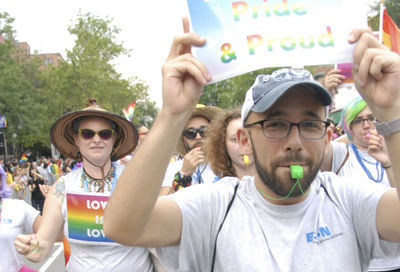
{"x": 352, "y": 167}
{"x": 85, "y": 257}
{"x": 202, "y": 174}
{"x": 333, "y": 229}
{"x": 17, "y": 217}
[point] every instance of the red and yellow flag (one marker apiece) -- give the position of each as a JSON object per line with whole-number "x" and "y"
{"x": 390, "y": 33}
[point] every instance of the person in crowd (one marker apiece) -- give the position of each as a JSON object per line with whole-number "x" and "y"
{"x": 42, "y": 170}
{"x": 16, "y": 217}
{"x": 290, "y": 210}
{"x": 9, "y": 176}
{"x": 21, "y": 179}
{"x": 364, "y": 150}
{"x": 37, "y": 197}
{"x": 143, "y": 131}
{"x": 363, "y": 155}
{"x": 319, "y": 77}
{"x": 332, "y": 128}
{"x": 98, "y": 138}
{"x": 194, "y": 167}
{"x": 67, "y": 166}
{"x": 333, "y": 80}
{"x": 52, "y": 170}
{"x": 3, "y": 175}
{"x": 222, "y": 147}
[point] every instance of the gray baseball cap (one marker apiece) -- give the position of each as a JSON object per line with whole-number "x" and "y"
{"x": 267, "y": 89}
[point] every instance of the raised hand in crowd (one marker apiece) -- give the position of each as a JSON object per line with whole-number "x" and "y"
{"x": 332, "y": 80}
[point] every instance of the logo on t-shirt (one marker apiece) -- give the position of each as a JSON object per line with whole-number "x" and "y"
{"x": 321, "y": 235}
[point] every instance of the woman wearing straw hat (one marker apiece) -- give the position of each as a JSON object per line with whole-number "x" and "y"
{"x": 76, "y": 202}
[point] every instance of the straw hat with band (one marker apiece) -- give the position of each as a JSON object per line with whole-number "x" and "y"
{"x": 62, "y": 132}
{"x": 207, "y": 112}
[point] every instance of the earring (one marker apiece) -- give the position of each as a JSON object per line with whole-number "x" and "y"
{"x": 246, "y": 161}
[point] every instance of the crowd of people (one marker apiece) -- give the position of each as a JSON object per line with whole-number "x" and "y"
{"x": 265, "y": 187}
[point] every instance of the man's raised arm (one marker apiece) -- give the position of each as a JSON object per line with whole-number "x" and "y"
{"x": 133, "y": 215}
{"x": 376, "y": 72}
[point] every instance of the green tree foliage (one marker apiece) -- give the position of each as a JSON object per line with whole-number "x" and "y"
{"x": 20, "y": 78}
{"x": 89, "y": 72}
{"x": 33, "y": 96}
{"x": 393, "y": 9}
{"x": 231, "y": 92}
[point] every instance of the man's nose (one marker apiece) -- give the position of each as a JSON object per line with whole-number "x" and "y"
{"x": 293, "y": 141}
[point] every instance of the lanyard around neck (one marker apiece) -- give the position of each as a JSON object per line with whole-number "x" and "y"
{"x": 377, "y": 165}
{"x": 199, "y": 173}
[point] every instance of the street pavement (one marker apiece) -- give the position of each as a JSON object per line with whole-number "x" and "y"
{"x": 53, "y": 263}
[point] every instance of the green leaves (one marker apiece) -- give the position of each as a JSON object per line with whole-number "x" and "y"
{"x": 393, "y": 9}
{"x": 33, "y": 96}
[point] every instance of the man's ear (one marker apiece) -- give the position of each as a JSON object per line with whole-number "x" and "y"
{"x": 328, "y": 139}
{"x": 244, "y": 141}
{"x": 329, "y": 134}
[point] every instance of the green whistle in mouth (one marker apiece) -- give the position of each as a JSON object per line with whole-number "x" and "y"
{"x": 296, "y": 171}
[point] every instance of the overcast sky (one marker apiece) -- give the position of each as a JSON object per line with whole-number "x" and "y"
{"x": 147, "y": 27}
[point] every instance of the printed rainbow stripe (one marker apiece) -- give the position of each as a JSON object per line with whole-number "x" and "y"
{"x": 85, "y": 217}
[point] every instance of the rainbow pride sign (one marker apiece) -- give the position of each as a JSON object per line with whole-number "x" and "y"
{"x": 247, "y": 35}
{"x": 85, "y": 213}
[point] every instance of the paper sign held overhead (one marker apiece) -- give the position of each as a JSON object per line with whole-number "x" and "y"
{"x": 243, "y": 36}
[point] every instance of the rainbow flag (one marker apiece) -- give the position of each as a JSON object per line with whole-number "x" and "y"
{"x": 85, "y": 213}
{"x": 128, "y": 112}
{"x": 67, "y": 250}
{"x": 390, "y": 33}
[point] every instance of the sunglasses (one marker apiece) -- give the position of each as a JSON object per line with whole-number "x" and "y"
{"x": 191, "y": 133}
{"x": 88, "y": 134}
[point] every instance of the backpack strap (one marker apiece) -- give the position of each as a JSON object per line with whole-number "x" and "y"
{"x": 220, "y": 226}
{"x": 344, "y": 161}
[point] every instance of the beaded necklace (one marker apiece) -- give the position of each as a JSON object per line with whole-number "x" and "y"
{"x": 361, "y": 161}
{"x": 96, "y": 185}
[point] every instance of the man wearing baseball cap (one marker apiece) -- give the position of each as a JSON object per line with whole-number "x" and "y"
{"x": 288, "y": 217}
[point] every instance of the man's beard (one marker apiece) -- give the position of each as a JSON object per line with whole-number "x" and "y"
{"x": 189, "y": 148}
{"x": 282, "y": 187}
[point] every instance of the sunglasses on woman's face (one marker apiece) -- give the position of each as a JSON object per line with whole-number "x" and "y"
{"x": 191, "y": 133}
{"x": 88, "y": 134}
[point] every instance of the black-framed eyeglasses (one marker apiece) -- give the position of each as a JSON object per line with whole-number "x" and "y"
{"x": 191, "y": 132}
{"x": 359, "y": 121}
{"x": 280, "y": 129}
{"x": 88, "y": 134}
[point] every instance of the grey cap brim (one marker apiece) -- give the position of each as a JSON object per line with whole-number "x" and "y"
{"x": 270, "y": 98}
